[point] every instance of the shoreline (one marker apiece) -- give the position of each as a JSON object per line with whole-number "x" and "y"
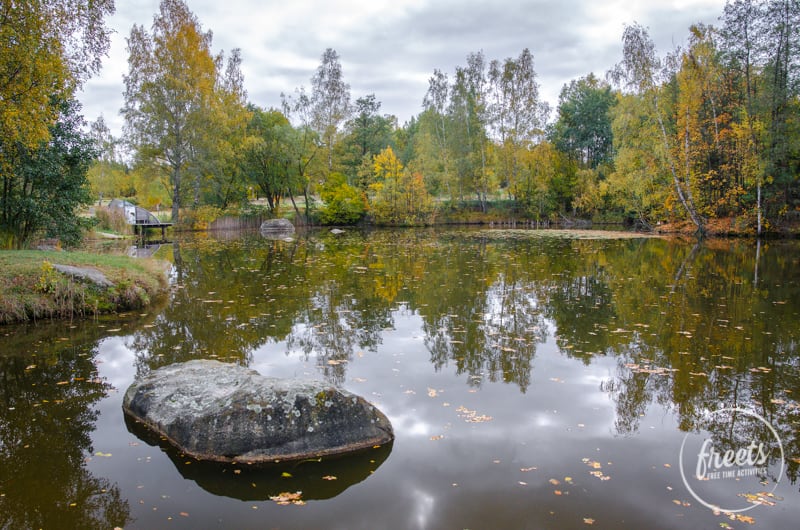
{"x": 33, "y": 286}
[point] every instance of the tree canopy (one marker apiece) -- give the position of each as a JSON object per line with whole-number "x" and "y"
{"x": 705, "y": 131}
{"x": 48, "y": 48}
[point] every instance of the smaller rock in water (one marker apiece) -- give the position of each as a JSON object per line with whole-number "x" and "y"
{"x": 284, "y": 226}
{"x": 227, "y": 413}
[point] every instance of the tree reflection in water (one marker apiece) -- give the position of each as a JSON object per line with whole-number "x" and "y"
{"x": 693, "y": 327}
{"x": 47, "y": 416}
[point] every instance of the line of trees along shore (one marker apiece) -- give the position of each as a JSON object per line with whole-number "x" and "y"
{"x": 709, "y": 130}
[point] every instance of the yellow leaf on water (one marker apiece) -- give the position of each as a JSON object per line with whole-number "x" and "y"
{"x": 288, "y": 498}
{"x": 286, "y": 475}
{"x": 588, "y": 520}
{"x": 329, "y": 477}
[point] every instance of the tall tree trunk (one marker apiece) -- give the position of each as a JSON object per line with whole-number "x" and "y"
{"x": 176, "y": 193}
{"x": 296, "y": 209}
{"x": 758, "y": 206}
{"x": 685, "y": 196}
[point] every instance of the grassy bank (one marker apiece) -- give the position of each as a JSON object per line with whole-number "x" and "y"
{"x": 32, "y": 289}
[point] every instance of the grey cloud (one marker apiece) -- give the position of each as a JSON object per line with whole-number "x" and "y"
{"x": 393, "y": 54}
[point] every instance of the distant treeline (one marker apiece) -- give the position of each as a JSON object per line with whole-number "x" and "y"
{"x": 706, "y": 131}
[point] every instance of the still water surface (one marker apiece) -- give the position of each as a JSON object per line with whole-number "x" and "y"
{"x": 534, "y": 380}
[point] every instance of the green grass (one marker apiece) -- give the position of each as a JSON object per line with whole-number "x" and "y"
{"x": 30, "y": 289}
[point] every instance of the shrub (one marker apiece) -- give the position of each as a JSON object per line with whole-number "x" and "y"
{"x": 200, "y": 218}
{"x": 112, "y": 220}
{"x": 344, "y": 205}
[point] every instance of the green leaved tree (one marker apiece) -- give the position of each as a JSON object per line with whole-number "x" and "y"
{"x": 49, "y": 183}
{"x": 169, "y": 93}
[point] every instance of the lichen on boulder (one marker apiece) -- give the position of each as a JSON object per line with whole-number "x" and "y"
{"x": 228, "y": 413}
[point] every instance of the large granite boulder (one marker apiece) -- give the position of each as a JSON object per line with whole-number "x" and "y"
{"x": 280, "y": 226}
{"x": 227, "y": 413}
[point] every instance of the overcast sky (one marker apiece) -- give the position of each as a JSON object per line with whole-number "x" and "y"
{"x": 391, "y": 47}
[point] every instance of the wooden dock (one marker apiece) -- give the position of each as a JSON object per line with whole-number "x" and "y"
{"x": 140, "y": 218}
{"x": 145, "y": 219}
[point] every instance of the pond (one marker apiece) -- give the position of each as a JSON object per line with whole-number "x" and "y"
{"x": 534, "y": 379}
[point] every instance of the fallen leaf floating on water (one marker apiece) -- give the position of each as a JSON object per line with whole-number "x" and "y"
{"x": 287, "y": 498}
{"x": 329, "y": 477}
{"x": 526, "y": 469}
{"x": 432, "y": 392}
{"x": 437, "y": 437}
{"x": 591, "y": 463}
{"x": 471, "y": 416}
{"x": 761, "y": 498}
{"x": 588, "y": 520}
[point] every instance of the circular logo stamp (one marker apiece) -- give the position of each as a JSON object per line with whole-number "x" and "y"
{"x": 739, "y": 460}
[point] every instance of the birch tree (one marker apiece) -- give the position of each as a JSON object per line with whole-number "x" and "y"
{"x": 168, "y": 90}
{"x": 330, "y": 100}
{"x": 517, "y": 114}
{"x": 642, "y": 72}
